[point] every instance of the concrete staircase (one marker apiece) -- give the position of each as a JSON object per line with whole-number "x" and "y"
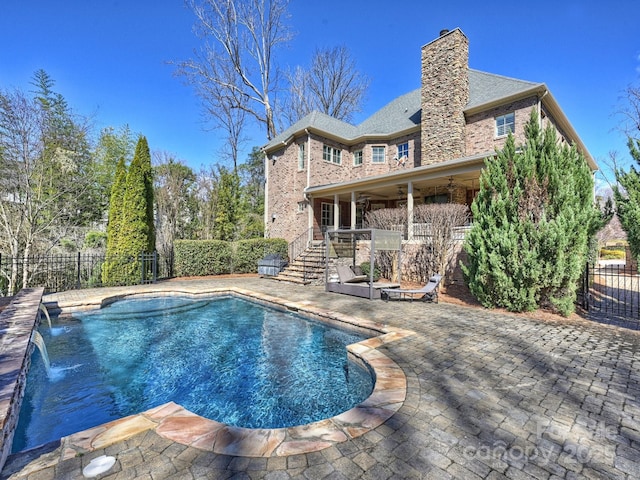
{"x": 307, "y": 268}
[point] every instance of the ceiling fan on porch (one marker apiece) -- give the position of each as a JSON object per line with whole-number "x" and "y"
{"x": 363, "y": 198}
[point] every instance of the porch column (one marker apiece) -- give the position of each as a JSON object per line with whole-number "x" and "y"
{"x": 310, "y": 215}
{"x": 353, "y": 210}
{"x": 336, "y": 212}
{"x": 410, "y": 211}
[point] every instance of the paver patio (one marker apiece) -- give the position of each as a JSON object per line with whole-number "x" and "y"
{"x": 488, "y": 396}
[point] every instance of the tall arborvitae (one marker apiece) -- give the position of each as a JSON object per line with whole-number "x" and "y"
{"x": 137, "y": 229}
{"x": 533, "y": 218}
{"x": 138, "y": 233}
{"x": 227, "y": 206}
{"x": 116, "y": 201}
{"x": 114, "y": 225}
{"x": 627, "y": 195}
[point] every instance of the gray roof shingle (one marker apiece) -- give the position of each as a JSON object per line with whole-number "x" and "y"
{"x": 404, "y": 112}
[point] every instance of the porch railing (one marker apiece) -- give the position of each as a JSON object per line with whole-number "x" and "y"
{"x": 300, "y": 244}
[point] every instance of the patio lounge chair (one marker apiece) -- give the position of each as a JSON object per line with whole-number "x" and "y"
{"x": 429, "y": 291}
{"x": 346, "y": 275}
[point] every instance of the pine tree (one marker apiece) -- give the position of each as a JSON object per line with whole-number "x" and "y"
{"x": 627, "y": 196}
{"x": 533, "y": 218}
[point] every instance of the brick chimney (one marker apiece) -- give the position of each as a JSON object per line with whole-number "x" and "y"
{"x": 445, "y": 93}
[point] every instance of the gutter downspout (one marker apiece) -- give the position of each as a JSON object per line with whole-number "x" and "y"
{"x": 540, "y": 108}
{"x": 308, "y": 198}
{"x": 266, "y": 195}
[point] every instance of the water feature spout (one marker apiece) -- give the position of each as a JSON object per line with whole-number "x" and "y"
{"x": 38, "y": 341}
{"x": 43, "y": 309}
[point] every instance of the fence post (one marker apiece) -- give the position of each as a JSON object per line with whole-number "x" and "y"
{"x": 79, "y": 284}
{"x": 141, "y": 268}
{"x": 155, "y": 266}
{"x": 585, "y": 288}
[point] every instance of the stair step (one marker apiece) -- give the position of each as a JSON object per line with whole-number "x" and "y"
{"x": 291, "y": 280}
{"x": 307, "y": 268}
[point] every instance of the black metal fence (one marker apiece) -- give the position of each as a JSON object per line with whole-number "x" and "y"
{"x": 57, "y": 273}
{"x": 611, "y": 294}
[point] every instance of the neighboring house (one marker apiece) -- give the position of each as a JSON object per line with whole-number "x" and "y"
{"x": 427, "y": 146}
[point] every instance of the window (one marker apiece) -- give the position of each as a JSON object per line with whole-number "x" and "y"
{"x": 357, "y": 157}
{"x": 505, "y": 124}
{"x": 301, "y": 156}
{"x": 403, "y": 150}
{"x": 332, "y": 155}
{"x": 326, "y": 216}
{"x": 378, "y": 155}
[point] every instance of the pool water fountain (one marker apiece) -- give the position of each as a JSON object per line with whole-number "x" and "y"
{"x": 43, "y": 310}
{"x": 38, "y": 341}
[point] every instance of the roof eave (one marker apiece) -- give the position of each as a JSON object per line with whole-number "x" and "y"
{"x": 538, "y": 89}
{"x": 562, "y": 120}
{"x": 339, "y": 139}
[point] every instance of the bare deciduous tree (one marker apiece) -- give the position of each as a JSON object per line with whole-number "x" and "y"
{"x": 387, "y": 219}
{"x": 237, "y": 62}
{"x": 332, "y": 85}
{"x": 176, "y": 203}
{"x": 44, "y": 179}
{"x": 438, "y": 221}
{"x": 441, "y": 221}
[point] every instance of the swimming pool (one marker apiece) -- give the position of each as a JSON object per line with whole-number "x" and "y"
{"x": 184, "y": 350}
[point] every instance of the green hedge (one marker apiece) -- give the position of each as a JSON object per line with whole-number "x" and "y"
{"x": 217, "y": 257}
{"x": 612, "y": 254}
{"x": 201, "y": 257}
{"x": 247, "y": 253}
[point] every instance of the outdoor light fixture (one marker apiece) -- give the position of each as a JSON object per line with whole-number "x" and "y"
{"x": 273, "y": 217}
{"x": 450, "y": 186}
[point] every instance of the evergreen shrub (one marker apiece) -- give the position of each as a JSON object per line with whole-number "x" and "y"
{"x": 202, "y": 257}
{"x": 366, "y": 268}
{"x": 247, "y": 253}
{"x": 532, "y": 221}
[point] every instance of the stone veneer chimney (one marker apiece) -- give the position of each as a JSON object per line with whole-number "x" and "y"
{"x": 445, "y": 93}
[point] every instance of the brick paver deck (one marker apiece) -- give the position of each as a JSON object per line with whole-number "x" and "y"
{"x": 489, "y": 396}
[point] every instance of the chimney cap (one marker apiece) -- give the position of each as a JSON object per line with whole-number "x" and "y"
{"x": 444, "y": 31}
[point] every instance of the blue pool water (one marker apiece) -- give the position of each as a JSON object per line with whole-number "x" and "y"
{"x": 225, "y": 359}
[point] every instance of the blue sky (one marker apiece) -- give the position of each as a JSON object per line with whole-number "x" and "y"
{"x": 110, "y": 58}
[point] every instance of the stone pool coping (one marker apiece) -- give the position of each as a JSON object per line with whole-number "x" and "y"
{"x": 17, "y": 321}
{"x": 178, "y": 424}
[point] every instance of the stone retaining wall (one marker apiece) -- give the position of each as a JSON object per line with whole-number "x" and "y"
{"x": 17, "y": 322}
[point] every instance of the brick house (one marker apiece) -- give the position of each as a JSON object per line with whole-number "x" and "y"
{"x": 426, "y": 146}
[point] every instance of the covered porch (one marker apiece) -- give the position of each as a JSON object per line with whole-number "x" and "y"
{"x": 344, "y": 205}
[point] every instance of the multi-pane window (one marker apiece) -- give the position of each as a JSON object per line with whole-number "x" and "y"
{"x": 331, "y": 154}
{"x": 301, "y": 156}
{"x": 505, "y": 124}
{"x": 357, "y": 157}
{"x": 403, "y": 150}
{"x": 326, "y": 216}
{"x": 378, "y": 154}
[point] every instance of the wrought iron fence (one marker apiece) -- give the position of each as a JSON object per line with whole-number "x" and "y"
{"x": 58, "y": 273}
{"x": 611, "y": 294}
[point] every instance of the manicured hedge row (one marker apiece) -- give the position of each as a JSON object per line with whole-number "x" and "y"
{"x": 217, "y": 257}
{"x": 247, "y": 253}
{"x": 612, "y": 254}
